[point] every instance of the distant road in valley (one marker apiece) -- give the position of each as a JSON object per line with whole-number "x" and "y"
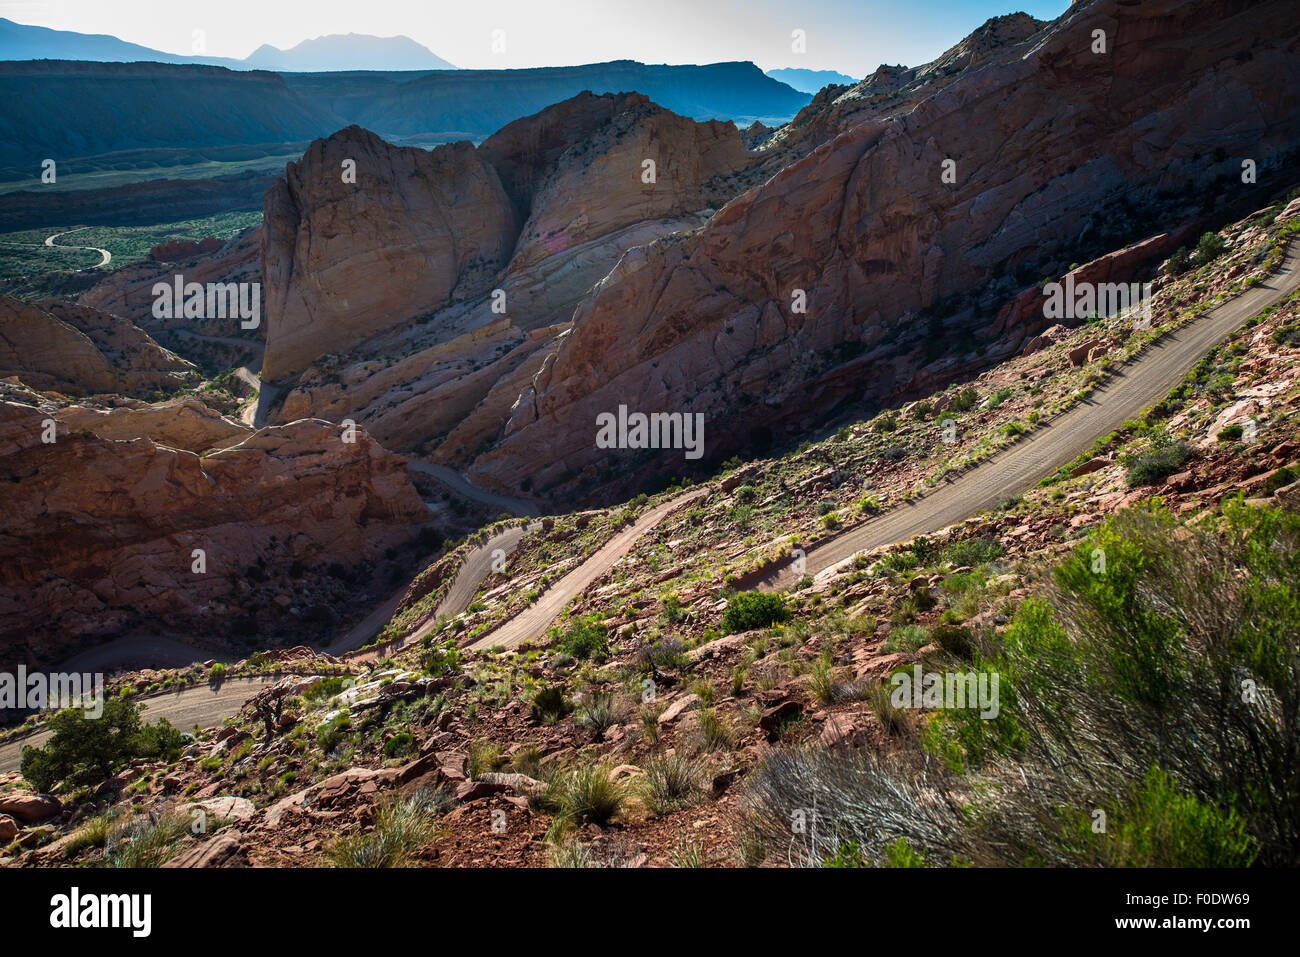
{"x": 461, "y": 485}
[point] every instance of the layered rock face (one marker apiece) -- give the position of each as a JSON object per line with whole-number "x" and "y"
{"x": 78, "y": 350}
{"x": 179, "y": 424}
{"x": 100, "y": 534}
{"x": 343, "y": 261}
{"x": 571, "y": 198}
{"x": 1053, "y": 144}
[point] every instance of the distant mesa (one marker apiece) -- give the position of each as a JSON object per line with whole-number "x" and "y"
{"x": 810, "y": 81}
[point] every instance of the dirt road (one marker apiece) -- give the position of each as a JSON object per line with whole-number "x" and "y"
{"x": 533, "y": 621}
{"x": 459, "y": 484}
{"x": 201, "y": 705}
{"x": 1132, "y": 389}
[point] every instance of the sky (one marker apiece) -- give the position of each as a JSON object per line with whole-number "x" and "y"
{"x": 851, "y": 36}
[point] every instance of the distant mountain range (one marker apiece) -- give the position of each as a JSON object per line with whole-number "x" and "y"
{"x": 810, "y": 81}
{"x": 352, "y": 51}
{"x": 64, "y": 109}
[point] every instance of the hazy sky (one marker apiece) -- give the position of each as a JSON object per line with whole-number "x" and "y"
{"x": 852, "y": 36}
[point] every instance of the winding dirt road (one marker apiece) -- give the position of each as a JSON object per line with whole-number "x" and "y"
{"x": 1133, "y": 388}
{"x": 534, "y": 620}
{"x": 1125, "y": 395}
{"x": 105, "y": 257}
{"x": 459, "y": 484}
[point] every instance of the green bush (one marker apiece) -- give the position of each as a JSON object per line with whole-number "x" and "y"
{"x": 398, "y": 744}
{"x": 1231, "y": 433}
{"x": 1157, "y": 463}
{"x": 965, "y": 400}
{"x": 549, "y": 704}
{"x": 85, "y": 751}
{"x": 1159, "y": 826}
{"x": 752, "y": 609}
{"x": 585, "y": 638}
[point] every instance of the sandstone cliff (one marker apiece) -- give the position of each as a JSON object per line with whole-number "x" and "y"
{"x": 79, "y": 350}
{"x": 343, "y": 261}
{"x": 1059, "y": 152}
{"x": 571, "y": 181}
{"x": 99, "y": 535}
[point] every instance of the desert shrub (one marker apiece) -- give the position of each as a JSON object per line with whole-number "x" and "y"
{"x": 597, "y": 712}
{"x": 398, "y": 744}
{"x": 1208, "y": 248}
{"x": 588, "y": 794}
{"x": 440, "y": 660}
{"x": 964, "y": 400}
{"x": 330, "y": 734}
{"x": 1279, "y": 479}
{"x": 1163, "y": 686}
{"x": 886, "y": 423}
{"x": 973, "y": 551}
{"x": 752, "y": 609}
{"x": 1157, "y": 463}
{"x": 1159, "y": 826}
{"x": 548, "y": 704}
{"x": 144, "y": 841}
{"x": 1231, "y": 433}
{"x": 668, "y": 654}
{"x": 85, "y": 750}
{"x": 585, "y": 638}
{"x": 671, "y": 782}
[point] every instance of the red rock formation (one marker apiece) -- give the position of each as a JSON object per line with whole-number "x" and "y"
{"x": 58, "y": 346}
{"x": 344, "y": 261}
{"x": 1054, "y": 145}
{"x": 99, "y": 534}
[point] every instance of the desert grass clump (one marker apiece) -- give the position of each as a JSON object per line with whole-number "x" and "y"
{"x": 145, "y": 841}
{"x": 671, "y": 782}
{"x": 402, "y": 829}
{"x": 597, "y": 711}
{"x": 715, "y": 731}
{"x": 588, "y": 794}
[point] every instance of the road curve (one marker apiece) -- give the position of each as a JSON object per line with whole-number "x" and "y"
{"x": 105, "y": 256}
{"x": 533, "y": 621}
{"x": 472, "y": 572}
{"x": 1131, "y": 389}
{"x": 201, "y": 705}
{"x": 458, "y": 483}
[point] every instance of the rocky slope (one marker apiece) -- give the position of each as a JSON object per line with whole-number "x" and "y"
{"x": 889, "y": 253}
{"x": 100, "y": 533}
{"x": 80, "y": 350}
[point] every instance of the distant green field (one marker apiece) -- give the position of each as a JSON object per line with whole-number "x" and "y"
{"x": 36, "y": 271}
{"x": 73, "y": 179}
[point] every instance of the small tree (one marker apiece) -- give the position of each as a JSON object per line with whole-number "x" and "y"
{"x": 86, "y": 750}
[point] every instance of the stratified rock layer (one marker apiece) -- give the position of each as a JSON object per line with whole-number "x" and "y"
{"x": 100, "y": 534}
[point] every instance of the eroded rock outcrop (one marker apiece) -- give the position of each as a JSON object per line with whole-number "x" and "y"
{"x": 869, "y": 229}
{"x": 573, "y": 178}
{"x": 59, "y": 346}
{"x": 185, "y": 423}
{"x": 100, "y": 534}
{"x": 347, "y": 257}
